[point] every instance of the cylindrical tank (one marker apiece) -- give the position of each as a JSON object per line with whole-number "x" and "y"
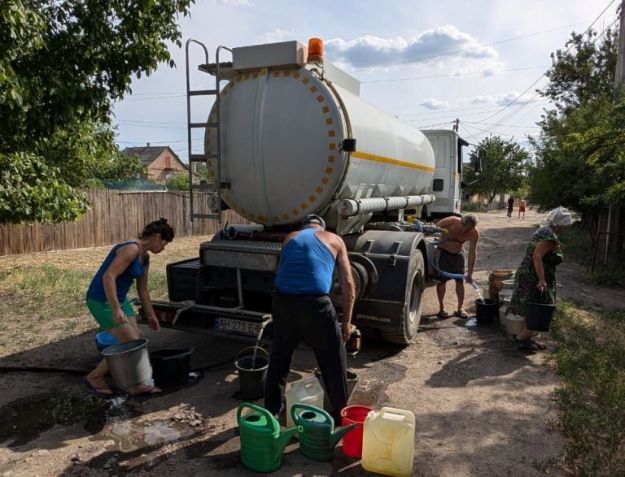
{"x": 281, "y": 147}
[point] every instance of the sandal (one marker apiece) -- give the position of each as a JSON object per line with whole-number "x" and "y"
{"x": 443, "y": 314}
{"x": 461, "y": 314}
{"x": 530, "y": 345}
{"x": 148, "y": 391}
{"x": 102, "y": 391}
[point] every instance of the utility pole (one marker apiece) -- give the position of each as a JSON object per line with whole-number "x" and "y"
{"x": 619, "y": 76}
{"x": 457, "y": 121}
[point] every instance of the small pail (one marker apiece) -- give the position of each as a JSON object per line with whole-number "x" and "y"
{"x": 171, "y": 366}
{"x": 129, "y": 363}
{"x": 252, "y": 371}
{"x": 539, "y": 315}
{"x": 352, "y": 441}
{"x": 486, "y": 310}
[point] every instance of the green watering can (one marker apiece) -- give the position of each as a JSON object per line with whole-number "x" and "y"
{"x": 261, "y": 441}
{"x": 317, "y": 436}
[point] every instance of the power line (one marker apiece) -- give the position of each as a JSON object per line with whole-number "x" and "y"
{"x": 473, "y": 73}
{"x": 543, "y": 75}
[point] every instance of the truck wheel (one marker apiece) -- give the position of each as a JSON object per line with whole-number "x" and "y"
{"x": 411, "y": 315}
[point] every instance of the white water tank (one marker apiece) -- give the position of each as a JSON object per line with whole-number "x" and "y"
{"x": 282, "y": 131}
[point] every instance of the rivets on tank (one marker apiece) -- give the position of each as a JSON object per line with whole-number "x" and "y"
{"x": 305, "y": 80}
{"x": 296, "y": 75}
{"x": 331, "y": 133}
{"x": 276, "y": 74}
{"x": 311, "y": 198}
{"x": 285, "y": 216}
{"x": 246, "y": 76}
{"x": 313, "y": 89}
{"x": 329, "y": 170}
{"x": 320, "y": 99}
{"x": 303, "y": 206}
{"x": 324, "y": 180}
{"x": 319, "y": 190}
{"x": 332, "y": 146}
{"x": 325, "y": 109}
{"x": 329, "y": 121}
{"x": 287, "y": 73}
{"x": 295, "y": 211}
{"x": 331, "y": 158}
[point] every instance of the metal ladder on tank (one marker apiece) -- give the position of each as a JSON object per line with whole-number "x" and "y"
{"x": 214, "y": 187}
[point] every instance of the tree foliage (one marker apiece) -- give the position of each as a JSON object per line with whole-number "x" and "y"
{"x": 504, "y": 166}
{"x": 580, "y": 161}
{"x": 62, "y": 63}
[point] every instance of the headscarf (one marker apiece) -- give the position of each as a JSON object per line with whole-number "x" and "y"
{"x": 559, "y": 216}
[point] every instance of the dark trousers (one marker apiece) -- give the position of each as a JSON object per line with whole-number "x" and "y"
{"x": 312, "y": 319}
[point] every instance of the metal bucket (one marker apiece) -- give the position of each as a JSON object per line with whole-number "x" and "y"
{"x": 129, "y": 363}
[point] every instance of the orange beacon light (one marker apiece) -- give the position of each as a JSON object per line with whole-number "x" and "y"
{"x": 315, "y": 50}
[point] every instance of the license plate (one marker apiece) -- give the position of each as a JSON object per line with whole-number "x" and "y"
{"x": 237, "y": 326}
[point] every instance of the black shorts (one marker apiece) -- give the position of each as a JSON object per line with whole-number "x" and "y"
{"x": 450, "y": 263}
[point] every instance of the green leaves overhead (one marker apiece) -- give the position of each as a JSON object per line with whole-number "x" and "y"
{"x": 62, "y": 63}
{"x": 580, "y": 159}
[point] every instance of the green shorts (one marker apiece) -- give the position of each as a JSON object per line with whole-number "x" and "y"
{"x": 103, "y": 313}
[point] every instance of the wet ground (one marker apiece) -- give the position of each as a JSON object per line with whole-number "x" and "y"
{"x": 482, "y": 408}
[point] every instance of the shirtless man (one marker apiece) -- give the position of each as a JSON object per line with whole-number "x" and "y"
{"x": 451, "y": 258}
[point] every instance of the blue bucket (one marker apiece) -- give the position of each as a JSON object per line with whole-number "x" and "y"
{"x": 104, "y": 339}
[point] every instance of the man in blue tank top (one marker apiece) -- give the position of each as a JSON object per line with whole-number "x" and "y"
{"x": 302, "y": 311}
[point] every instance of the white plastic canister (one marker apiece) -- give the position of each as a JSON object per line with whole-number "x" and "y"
{"x": 388, "y": 442}
{"x": 305, "y": 391}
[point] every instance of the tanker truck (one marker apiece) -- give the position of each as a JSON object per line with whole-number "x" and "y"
{"x": 288, "y": 135}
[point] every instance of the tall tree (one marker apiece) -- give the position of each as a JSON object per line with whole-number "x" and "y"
{"x": 62, "y": 63}
{"x": 579, "y": 158}
{"x": 504, "y": 166}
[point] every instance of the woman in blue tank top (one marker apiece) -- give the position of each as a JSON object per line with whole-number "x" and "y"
{"x": 107, "y": 295}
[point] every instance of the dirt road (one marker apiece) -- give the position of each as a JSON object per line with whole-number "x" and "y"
{"x": 482, "y": 407}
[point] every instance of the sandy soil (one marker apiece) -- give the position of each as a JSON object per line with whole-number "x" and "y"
{"x": 482, "y": 407}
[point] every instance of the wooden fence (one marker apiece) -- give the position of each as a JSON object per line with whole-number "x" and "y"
{"x": 113, "y": 216}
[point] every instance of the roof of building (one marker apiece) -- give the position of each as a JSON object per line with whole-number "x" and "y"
{"x": 147, "y": 154}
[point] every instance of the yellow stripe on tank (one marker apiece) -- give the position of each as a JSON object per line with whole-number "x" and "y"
{"x": 387, "y": 160}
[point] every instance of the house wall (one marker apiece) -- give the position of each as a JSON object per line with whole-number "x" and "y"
{"x": 164, "y": 166}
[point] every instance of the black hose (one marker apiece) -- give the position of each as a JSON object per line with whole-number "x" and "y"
{"x": 42, "y": 369}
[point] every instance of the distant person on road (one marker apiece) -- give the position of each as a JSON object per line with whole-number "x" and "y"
{"x": 510, "y": 206}
{"x": 107, "y": 296}
{"x": 521, "y": 209}
{"x": 450, "y": 258}
{"x": 535, "y": 279}
{"x": 302, "y": 311}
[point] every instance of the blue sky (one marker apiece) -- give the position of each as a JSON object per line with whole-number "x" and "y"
{"x": 426, "y": 62}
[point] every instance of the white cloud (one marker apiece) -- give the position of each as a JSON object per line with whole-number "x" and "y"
{"x": 434, "y": 104}
{"x": 278, "y": 35}
{"x": 502, "y": 99}
{"x": 442, "y": 41}
{"x": 235, "y": 3}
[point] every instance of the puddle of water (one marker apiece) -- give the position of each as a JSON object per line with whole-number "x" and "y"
{"x": 129, "y": 436}
{"x": 25, "y": 419}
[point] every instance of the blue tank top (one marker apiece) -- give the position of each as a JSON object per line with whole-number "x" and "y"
{"x": 122, "y": 282}
{"x": 306, "y": 266}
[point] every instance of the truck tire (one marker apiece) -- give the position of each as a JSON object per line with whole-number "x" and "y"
{"x": 407, "y": 331}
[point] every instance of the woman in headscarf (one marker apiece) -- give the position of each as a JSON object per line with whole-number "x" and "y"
{"x": 535, "y": 279}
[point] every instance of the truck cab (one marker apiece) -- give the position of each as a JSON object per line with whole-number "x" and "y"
{"x": 447, "y": 181}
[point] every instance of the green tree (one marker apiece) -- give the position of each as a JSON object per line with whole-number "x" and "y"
{"x": 179, "y": 181}
{"x": 62, "y": 63}
{"x": 504, "y": 166}
{"x": 579, "y": 151}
